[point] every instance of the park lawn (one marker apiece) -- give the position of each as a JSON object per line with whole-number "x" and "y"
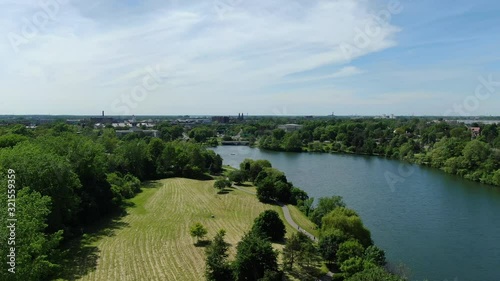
{"x": 248, "y": 186}
{"x": 303, "y": 221}
{"x": 227, "y": 170}
{"x": 153, "y": 242}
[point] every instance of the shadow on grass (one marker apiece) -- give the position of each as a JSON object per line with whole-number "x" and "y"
{"x": 243, "y": 184}
{"x": 202, "y": 243}
{"x": 306, "y": 273}
{"x": 226, "y": 191}
{"x": 80, "y": 255}
{"x": 151, "y": 184}
{"x": 279, "y": 242}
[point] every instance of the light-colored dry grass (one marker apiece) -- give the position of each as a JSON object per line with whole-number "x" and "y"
{"x": 155, "y": 243}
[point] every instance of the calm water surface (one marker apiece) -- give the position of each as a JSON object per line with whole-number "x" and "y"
{"x": 439, "y": 226}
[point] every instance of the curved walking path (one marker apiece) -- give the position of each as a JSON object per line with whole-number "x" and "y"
{"x": 290, "y": 221}
{"x": 287, "y": 214}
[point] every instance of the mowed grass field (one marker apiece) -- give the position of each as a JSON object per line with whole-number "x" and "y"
{"x": 154, "y": 242}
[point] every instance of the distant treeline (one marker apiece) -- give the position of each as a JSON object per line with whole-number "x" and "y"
{"x": 66, "y": 179}
{"x": 449, "y": 146}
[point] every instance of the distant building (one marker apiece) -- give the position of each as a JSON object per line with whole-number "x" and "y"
{"x": 152, "y": 133}
{"x": 101, "y": 120}
{"x": 121, "y": 125}
{"x": 191, "y": 122}
{"x": 385, "y": 116}
{"x": 220, "y": 119}
{"x": 74, "y": 121}
{"x": 475, "y": 131}
{"x": 290, "y": 127}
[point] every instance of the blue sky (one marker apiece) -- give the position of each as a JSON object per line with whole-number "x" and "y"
{"x": 273, "y": 57}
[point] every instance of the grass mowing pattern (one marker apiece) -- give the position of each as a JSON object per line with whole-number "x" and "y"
{"x": 154, "y": 243}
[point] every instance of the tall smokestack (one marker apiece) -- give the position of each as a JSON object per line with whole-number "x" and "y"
{"x": 103, "y": 113}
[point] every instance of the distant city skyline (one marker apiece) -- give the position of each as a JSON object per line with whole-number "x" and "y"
{"x": 274, "y": 57}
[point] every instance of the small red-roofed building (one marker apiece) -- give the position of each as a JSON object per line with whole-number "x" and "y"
{"x": 475, "y": 131}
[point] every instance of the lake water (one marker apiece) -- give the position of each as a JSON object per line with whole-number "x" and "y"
{"x": 441, "y": 227}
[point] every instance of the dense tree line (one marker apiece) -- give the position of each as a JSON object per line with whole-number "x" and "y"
{"x": 346, "y": 244}
{"x": 444, "y": 145}
{"x": 67, "y": 177}
{"x": 272, "y": 184}
{"x": 449, "y": 146}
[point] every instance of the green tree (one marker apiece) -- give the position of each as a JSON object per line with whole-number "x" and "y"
{"x": 201, "y": 134}
{"x": 308, "y": 254}
{"x": 217, "y": 267}
{"x": 272, "y": 275}
{"x": 214, "y": 162}
{"x": 375, "y": 255}
{"x": 245, "y": 168}
{"x": 278, "y": 134}
{"x": 299, "y": 248}
{"x": 460, "y": 133}
{"x": 254, "y": 256}
{"x": 445, "y": 149}
{"x": 270, "y": 174}
{"x": 349, "y": 223}
{"x": 155, "y": 149}
{"x": 109, "y": 140}
{"x": 299, "y": 195}
{"x": 176, "y": 132}
{"x": 270, "y": 225}
{"x": 133, "y": 157}
{"x": 237, "y": 176}
{"x": 36, "y": 251}
{"x": 11, "y": 140}
{"x": 329, "y": 244}
{"x": 221, "y": 184}
{"x": 305, "y": 206}
{"x": 283, "y": 191}
{"x": 352, "y": 266}
{"x": 496, "y": 177}
{"x": 123, "y": 187}
{"x": 292, "y": 142}
{"x": 273, "y": 185}
{"x": 292, "y": 249}
{"x": 374, "y": 274}
{"x": 252, "y": 168}
{"x": 266, "y": 192}
{"x": 89, "y": 161}
{"x": 475, "y": 152}
{"x": 198, "y": 231}
{"x": 50, "y": 175}
{"x": 325, "y": 206}
{"x": 349, "y": 249}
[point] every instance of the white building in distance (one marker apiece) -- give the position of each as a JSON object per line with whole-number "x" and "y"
{"x": 290, "y": 127}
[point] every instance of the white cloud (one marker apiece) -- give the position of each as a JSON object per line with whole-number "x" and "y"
{"x": 213, "y": 60}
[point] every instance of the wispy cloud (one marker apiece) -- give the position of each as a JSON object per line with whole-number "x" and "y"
{"x": 94, "y": 52}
